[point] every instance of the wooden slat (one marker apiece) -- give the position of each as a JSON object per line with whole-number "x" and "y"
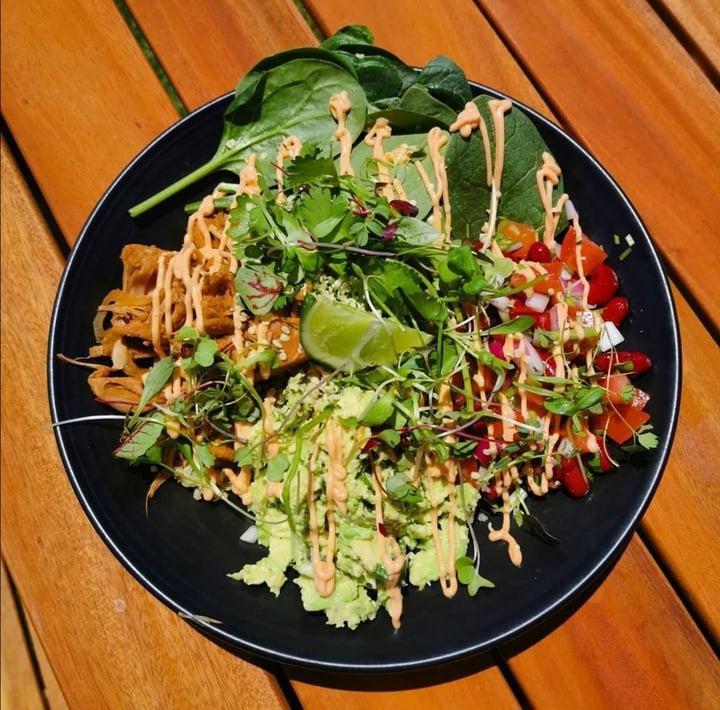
{"x": 84, "y": 105}
{"x": 207, "y": 47}
{"x": 630, "y": 646}
{"x": 54, "y": 698}
{"x": 80, "y": 600}
{"x": 684, "y": 513}
{"x": 19, "y": 687}
{"x": 700, "y": 21}
{"x": 462, "y": 692}
{"x": 634, "y": 88}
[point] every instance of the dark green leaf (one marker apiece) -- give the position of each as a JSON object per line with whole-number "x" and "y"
{"x": 446, "y": 81}
{"x": 350, "y": 34}
{"x": 467, "y": 174}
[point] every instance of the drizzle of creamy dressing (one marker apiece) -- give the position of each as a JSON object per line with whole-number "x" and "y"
{"x": 469, "y": 119}
{"x": 336, "y": 473}
{"x": 340, "y": 106}
{"x": 187, "y": 268}
{"x": 441, "y": 217}
{"x": 503, "y": 533}
{"x": 434, "y": 470}
{"x": 498, "y": 109}
{"x": 323, "y": 568}
{"x": 289, "y": 148}
{"x": 381, "y": 130}
{"x": 547, "y": 178}
{"x": 390, "y": 554}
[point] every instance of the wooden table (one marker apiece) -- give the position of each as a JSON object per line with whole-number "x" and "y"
{"x": 635, "y": 81}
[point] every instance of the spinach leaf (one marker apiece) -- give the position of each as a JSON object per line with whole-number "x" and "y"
{"x": 408, "y": 175}
{"x": 466, "y": 171}
{"x": 249, "y": 84}
{"x": 416, "y": 111}
{"x": 383, "y": 76}
{"x": 445, "y": 81}
{"x": 291, "y": 98}
{"x": 350, "y": 34}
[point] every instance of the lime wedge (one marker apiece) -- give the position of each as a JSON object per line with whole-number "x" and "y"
{"x": 342, "y": 337}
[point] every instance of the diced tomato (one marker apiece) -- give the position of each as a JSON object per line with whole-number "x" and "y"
{"x": 626, "y": 361}
{"x": 621, "y": 422}
{"x": 542, "y": 320}
{"x": 573, "y": 479}
{"x": 467, "y": 468}
{"x": 615, "y": 386}
{"x": 540, "y": 253}
{"x": 591, "y": 254}
{"x": 520, "y": 236}
{"x": 552, "y": 283}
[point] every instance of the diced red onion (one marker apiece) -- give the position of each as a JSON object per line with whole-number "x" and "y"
{"x": 610, "y": 336}
{"x": 502, "y": 303}
{"x": 496, "y": 348}
{"x": 538, "y": 302}
{"x": 250, "y": 534}
{"x": 576, "y": 290}
{"x": 534, "y": 362}
{"x": 570, "y": 211}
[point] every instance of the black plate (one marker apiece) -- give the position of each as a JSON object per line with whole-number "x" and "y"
{"x": 183, "y": 550}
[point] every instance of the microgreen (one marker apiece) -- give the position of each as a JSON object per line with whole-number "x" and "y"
{"x": 399, "y": 487}
{"x": 156, "y": 379}
{"x": 468, "y": 575}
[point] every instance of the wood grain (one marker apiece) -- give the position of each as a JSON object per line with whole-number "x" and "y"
{"x": 19, "y": 687}
{"x": 459, "y": 693}
{"x": 631, "y": 645}
{"x": 110, "y": 643}
{"x": 207, "y": 47}
{"x": 646, "y": 111}
{"x": 79, "y": 97}
{"x": 698, "y": 20}
{"x": 684, "y": 513}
